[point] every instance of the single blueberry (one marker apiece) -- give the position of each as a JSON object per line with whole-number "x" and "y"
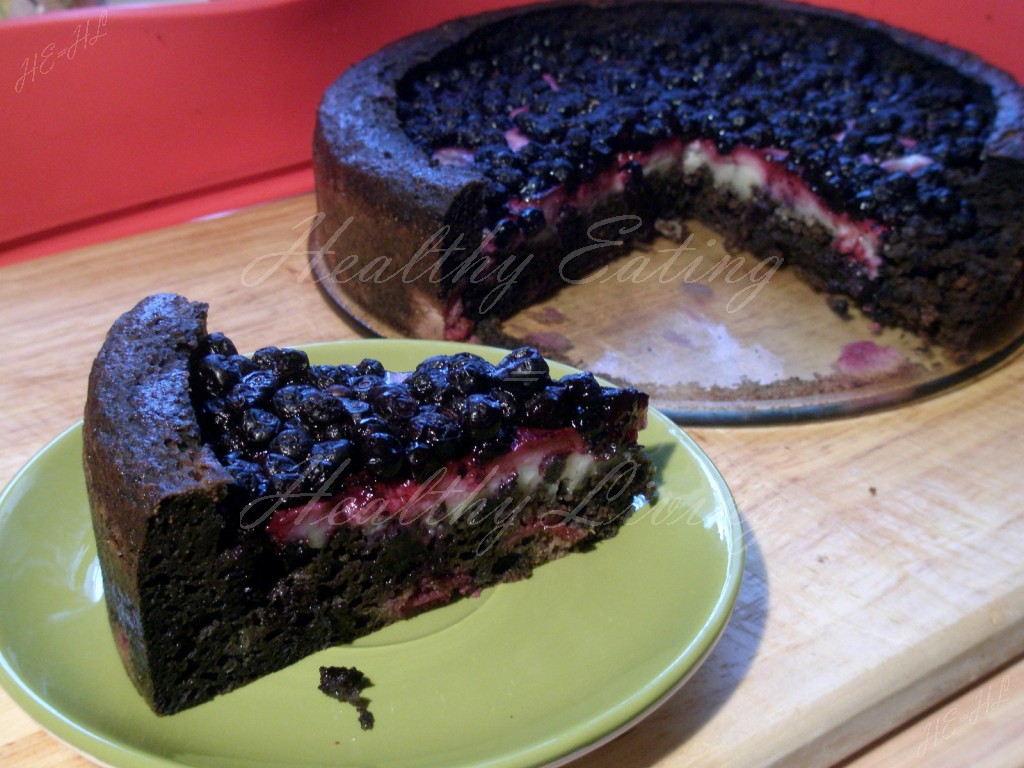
{"x": 278, "y": 463}
{"x": 581, "y": 387}
{"x": 256, "y": 389}
{"x": 532, "y": 221}
{"x": 394, "y": 402}
{"x": 219, "y": 344}
{"x": 469, "y": 373}
{"x": 523, "y": 370}
{"x": 259, "y": 427}
{"x": 291, "y": 365}
{"x": 383, "y": 455}
{"x": 293, "y": 443}
{"x": 430, "y": 385}
{"x": 249, "y": 478}
{"x": 288, "y": 399}
{"x": 329, "y": 463}
{"x": 370, "y": 367}
{"x": 363, "y": 385}
{"x": 216, "y": 374}
{"x": 319, "y": 408}
{"x": 422, "y": 460}
{"x": 549, "y": 408}
{"x": 481, "y": 417}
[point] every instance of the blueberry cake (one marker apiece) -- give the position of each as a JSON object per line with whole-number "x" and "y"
{"x": 251, "y": 511}
{"x": 471, "y": 169}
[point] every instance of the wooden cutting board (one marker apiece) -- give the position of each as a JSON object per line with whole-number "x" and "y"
{"x": 884, "y": 568}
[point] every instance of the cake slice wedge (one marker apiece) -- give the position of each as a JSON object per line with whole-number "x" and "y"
{"x": 249, "y": 511}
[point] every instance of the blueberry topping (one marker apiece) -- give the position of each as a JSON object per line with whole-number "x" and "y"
{"x": 581, "y": 386}
{"x": 339, "y": 390}
{"x": 218, "y": 414}
{"x": 550, "y": 407}
{"x": 491, "y": 449}
{"x": 370, "y": 424}
{"x": 581, "y": 93}
{"x": 284, "y": 428}
{"x": 363, "y": 385}
{"x": 436, "y": 430}
{"x": 278, "y": 463}
{"x": 430, "y": 385}
{"x": 508, "y": 403}
{"x": 333, "y": 431}
{"x": 249, "y": 478}
{"x": 620, "y": 406}
{"x": 288, "y": 485}
{"x": 283, "y": 474}
{"x": 469, "y": 374}
{"x": 336, "y": 452}
{"x": 585, "y": 420}
{"x": 505, "y": 233}
{"x": 355, "y": 411}
{"x": 327, "y": 376}
{"x": 435, "y": 363}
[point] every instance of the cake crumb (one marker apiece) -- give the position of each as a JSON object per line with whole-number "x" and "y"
{"x": 674, "y": 229}
{"x": 346, "y": 684}
{"x": 840, "y": 306}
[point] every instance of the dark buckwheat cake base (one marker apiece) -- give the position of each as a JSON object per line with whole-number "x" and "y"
{"x": 914, "y": 149}
{"x": 209, "y": 588}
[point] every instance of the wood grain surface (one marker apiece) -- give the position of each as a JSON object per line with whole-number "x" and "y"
{"x": 884, "y": 571}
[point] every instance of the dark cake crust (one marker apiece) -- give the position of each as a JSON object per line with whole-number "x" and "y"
{"x": 139, "y": 424}
{"x": 387, "y": 199}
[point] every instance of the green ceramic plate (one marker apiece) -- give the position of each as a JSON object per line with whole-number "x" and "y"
{"x": 527, "y": 674}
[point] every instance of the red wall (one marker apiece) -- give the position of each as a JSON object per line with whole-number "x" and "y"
{"x": 135, "y": 118}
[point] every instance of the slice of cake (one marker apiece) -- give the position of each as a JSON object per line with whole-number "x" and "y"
{"x": 251, "y": 511}
{"x": 471, "y": 169}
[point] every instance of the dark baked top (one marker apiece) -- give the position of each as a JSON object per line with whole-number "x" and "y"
{"x": 138, "y": 411}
